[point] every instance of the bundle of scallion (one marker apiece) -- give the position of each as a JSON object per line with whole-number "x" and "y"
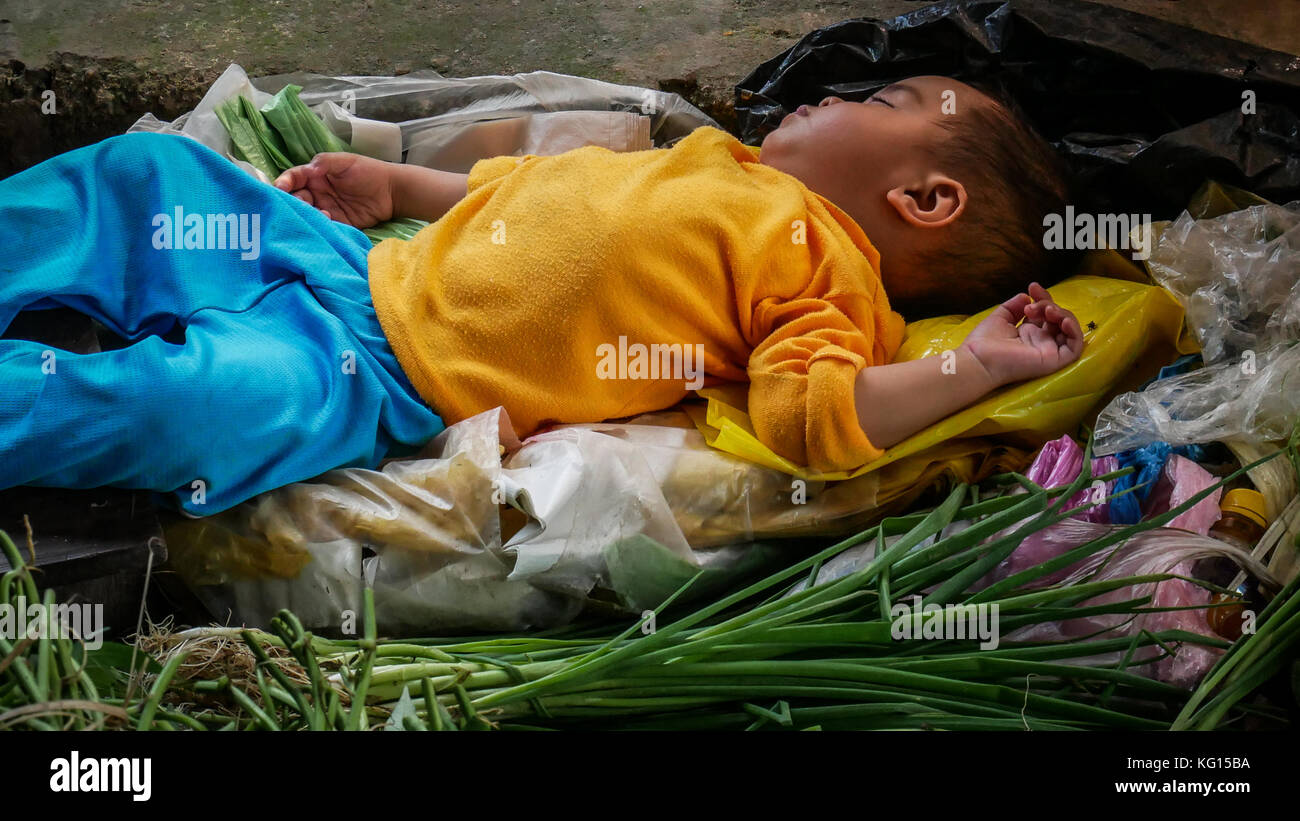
{"x": 824, "y": 657}
{"x": 285, "y": 133}
{"x": 56, "y": 676}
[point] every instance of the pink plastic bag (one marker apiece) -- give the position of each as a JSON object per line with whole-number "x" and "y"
{"x": 1057, "y": 464}
{"x": 1162, "y": 550}
{"x": 1171, "y": 549}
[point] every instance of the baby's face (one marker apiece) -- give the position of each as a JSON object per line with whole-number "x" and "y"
{"x": 843, "y": 150}
{"x": 880, "y": 161}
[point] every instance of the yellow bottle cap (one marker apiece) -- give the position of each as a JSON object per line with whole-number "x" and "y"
{"x": 1248, "y": 503}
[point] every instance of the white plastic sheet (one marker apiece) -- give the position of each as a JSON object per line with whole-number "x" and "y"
{"x": 634, "y": 510}
{"x": 450, "y": 123}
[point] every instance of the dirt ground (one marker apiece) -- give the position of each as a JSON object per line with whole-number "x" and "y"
{"x": 109, "y": 61}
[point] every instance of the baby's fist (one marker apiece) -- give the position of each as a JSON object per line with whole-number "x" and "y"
{"x": 1028, "y": 336}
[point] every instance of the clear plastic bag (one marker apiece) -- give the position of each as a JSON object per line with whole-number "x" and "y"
{"x": 455, "y": 540}
{"x": 1236, "y": 275}
{"x": 449, "y": 123}
{"x": 424, "y": 532}
{"x": 586, "y": 487}
{"x": 1256, "y": 400}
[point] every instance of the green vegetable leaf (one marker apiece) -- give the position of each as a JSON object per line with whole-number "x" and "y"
{"x": 404, "y": 710}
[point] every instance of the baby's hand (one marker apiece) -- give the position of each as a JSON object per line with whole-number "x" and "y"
{"x": 349, "y": 188}
{"x": 1011, "y": 350}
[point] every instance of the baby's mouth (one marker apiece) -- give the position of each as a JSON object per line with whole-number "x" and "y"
{"x": 801, "y": 111}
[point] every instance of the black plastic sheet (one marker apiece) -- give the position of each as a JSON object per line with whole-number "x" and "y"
{"x": 1143, "y": 110}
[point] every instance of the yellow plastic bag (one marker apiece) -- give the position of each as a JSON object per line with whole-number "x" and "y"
{"x": 1131, "y": 330}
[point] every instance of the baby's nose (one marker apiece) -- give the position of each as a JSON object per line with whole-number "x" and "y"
{"x": 830, "y": 101}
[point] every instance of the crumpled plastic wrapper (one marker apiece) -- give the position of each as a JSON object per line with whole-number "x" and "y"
{"x": 612, "y": 516}
{"x": 425, "y": 533}
{"x": 1236, "y": 275}
{"x": 595, "y": 484}
{"x": 1180, "y": 479}
{"x": 1219, "y": 403}
{"x": 1059, "y": 463}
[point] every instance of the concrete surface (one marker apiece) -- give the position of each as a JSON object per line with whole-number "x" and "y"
{"x": 112, "y": 60}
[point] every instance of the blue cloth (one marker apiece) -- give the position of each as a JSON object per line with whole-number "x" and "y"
{"x": 1183, "y": 364}
{"x": 1149, "y": 461}
{"x": 282, "y": 373}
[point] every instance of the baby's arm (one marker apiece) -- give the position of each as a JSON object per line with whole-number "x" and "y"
{"x": 363, "y": 191}
{"x": 895, "y": 401}
{"x": 425, "y": 193}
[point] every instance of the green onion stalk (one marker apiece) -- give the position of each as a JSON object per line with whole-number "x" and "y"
{"x": 45, "y": 679}
{"x": 825, "y": 657}
{"x": 781, "y": 653}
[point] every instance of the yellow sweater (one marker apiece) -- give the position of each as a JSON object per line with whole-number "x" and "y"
{"x": 545, "y": 288}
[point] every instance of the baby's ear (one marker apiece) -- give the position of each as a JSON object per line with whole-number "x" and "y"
{"x": 935, "y": 202}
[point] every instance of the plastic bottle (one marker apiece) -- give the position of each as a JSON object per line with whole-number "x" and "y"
{"x": 1242, "y": 524}
{"x": 1244, "y": 518}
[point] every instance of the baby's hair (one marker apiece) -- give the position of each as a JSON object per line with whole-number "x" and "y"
{"x": 1013, "y": 178}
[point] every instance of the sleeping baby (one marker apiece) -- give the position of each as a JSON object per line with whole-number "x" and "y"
{"x": 580, "y": 287}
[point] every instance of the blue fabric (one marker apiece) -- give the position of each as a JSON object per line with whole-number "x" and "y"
{"x": 1183, "y": 364}
{"x": 1150, "y": 461}
{"x": 283, "y": 372}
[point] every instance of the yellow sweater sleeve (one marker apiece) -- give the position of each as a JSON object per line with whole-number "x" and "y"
{"x": 801, "y": 378}
{"x": 486, "y": 170}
